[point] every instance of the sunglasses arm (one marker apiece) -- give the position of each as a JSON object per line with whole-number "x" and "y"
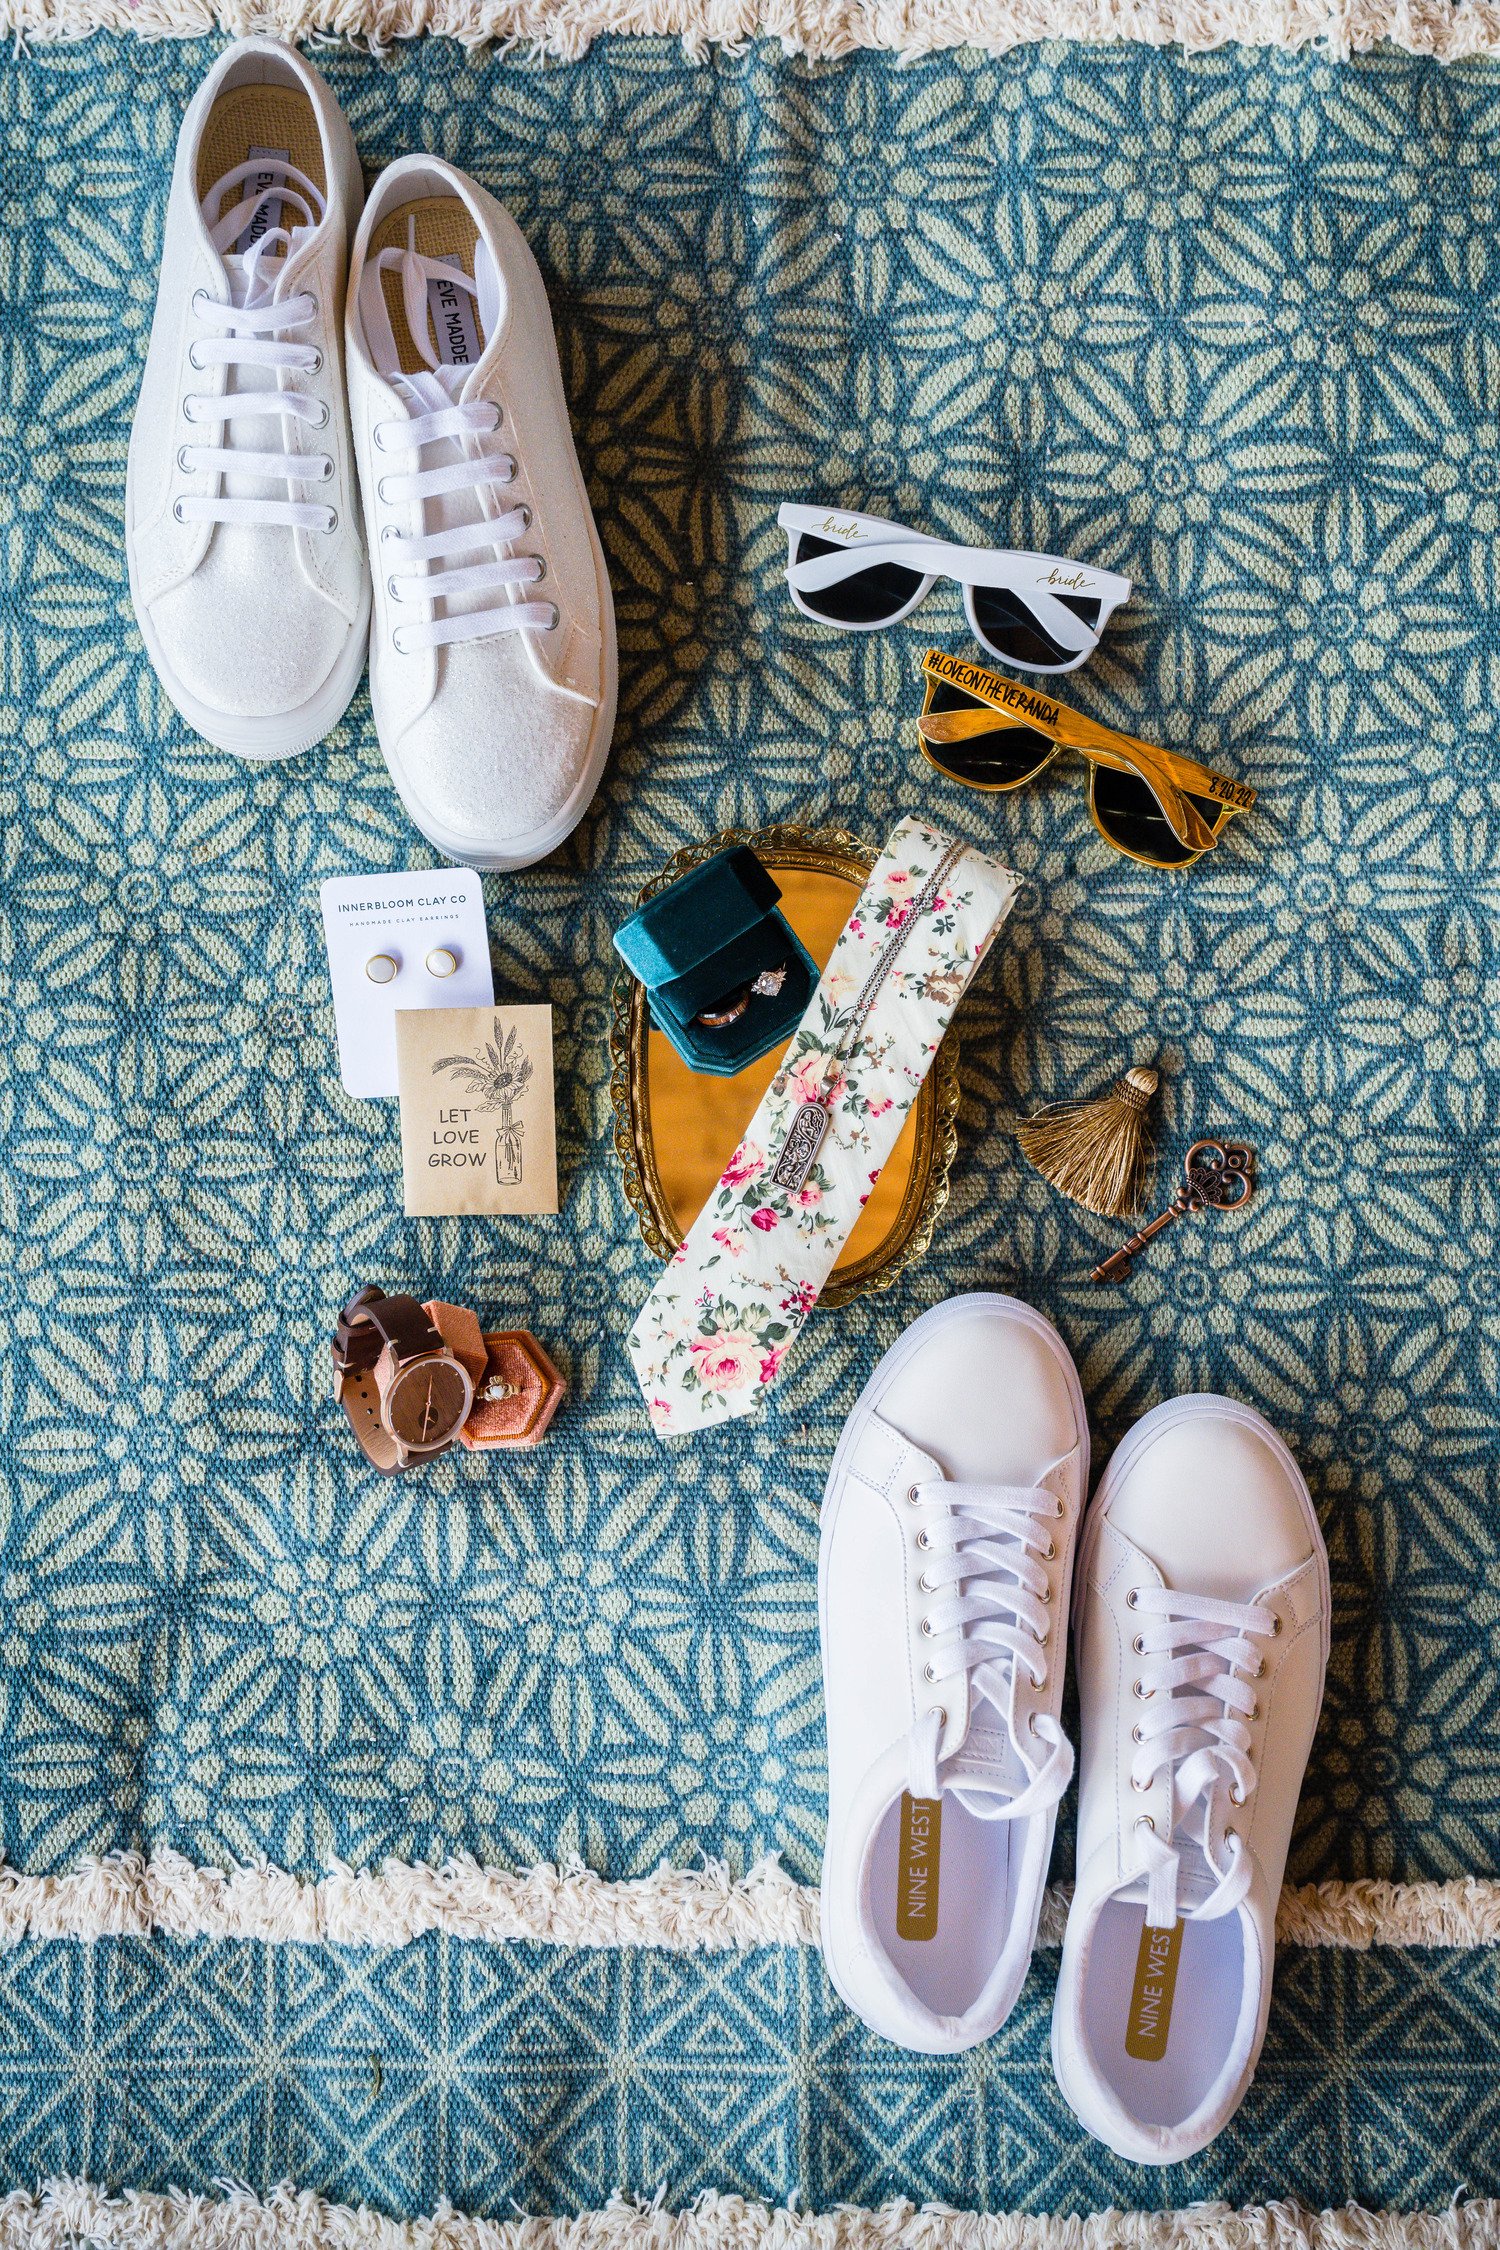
{"x": 1123, "y": 753}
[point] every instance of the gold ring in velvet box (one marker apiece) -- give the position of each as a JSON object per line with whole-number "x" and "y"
{"x": 675, "y": 1129}
{"x": 726, "y": 977}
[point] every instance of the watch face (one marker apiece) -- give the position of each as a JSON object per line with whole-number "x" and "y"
{"x": 427, "y": 1404}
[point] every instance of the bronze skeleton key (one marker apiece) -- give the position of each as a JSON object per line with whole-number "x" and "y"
{"x": 1216, "y": 1176}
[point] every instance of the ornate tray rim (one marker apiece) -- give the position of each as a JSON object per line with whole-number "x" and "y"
{"x": 785, "y": 844}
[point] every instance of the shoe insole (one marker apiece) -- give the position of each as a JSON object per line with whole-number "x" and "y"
{"x": 251, "y": 121}
{"x": 940, "y": 1889}
{"x": 1160, "y": 2008}
{"x": 440, "y": 227}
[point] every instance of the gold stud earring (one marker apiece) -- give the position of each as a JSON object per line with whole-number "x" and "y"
{"x": 382, "y": 968}
{"x": 442, "y": 961}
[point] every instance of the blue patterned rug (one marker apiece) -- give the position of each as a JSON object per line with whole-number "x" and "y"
{"x": 1230, "y": 325}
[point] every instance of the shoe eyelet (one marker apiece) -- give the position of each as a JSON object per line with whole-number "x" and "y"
{"x": 398, "y": 644}
{"x": 324, "y": 416}
{"x": 1138, "y": 1645}
{"x": 1051, "y": 1550}
{"x": 499, "y": 418}
{"x": 1141, "y": 1788}
{"x": 556, "y": 620}
{"x": 1260, "y": 1670}
{"x": 1141, "y": 1694}
{"x": 1132, "y": 1599}
{"x": 1231, "y": 1835}
{"x": 1276, "y": 1624}
{"x": 381, "y": 493}
{"x": 937, "y": 1712}
{"x": 1136, "y": 1734}
{"x": 183, "y": 463}
{"x": 923, "y": 1540}
{"x": 333, "y": 520}
{"x": 177, "y": 511}
{"x": 1144, "y": 1820}
{"x": 541, "y": 570}
{"x": 1254, "y": 1711}
{"x": 1046, "y": 1597}
{"x": 1235, "y": 1798}
{"x": 327, "y": 469}
{"x": 390, "y": 587}
{"x": 525, "y": 517}
{"x": 314, "y": 366}
{"x": 388, "y": 531}
{"x": 198, "y": 300}
{"x": 913, "y": 1496}
{"x": 193, "y": 360}
{"x": 928, "y": 1673}
{"x": 925, "y": 1585}
{"x": 927, "y": 1628}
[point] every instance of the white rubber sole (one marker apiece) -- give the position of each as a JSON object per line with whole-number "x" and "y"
{"x": 947, "y": 1314}
{"x": 1198, "y": 1406}
{"x": 265, "y": 741}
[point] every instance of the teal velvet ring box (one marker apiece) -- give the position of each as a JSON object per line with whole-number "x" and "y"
{"x": 703, "y": 941}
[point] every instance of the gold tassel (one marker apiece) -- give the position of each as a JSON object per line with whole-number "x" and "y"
{"x": 1098, "y": 1152}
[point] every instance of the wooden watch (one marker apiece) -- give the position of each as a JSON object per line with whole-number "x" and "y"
{"x": 406, "y": 1392}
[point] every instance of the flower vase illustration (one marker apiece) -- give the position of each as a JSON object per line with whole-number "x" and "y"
{"x": 497, "y": 1076}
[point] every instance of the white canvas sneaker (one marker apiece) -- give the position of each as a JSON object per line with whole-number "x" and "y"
{"x": 947, "y": 1552}
{"x": 1202, "y": 1629}
{"x": 247, "y": 567}
{"x": 492, "y": 652}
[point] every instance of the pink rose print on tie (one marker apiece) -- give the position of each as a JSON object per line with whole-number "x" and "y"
{"x": 764, "y": 1218}
{"x": 746, "y": 1164}
{"x": 727, "y": 1361}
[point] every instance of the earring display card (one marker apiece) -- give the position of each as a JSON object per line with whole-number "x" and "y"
{"x": 478, "y": 1128}
{"x": 403, "y": 917}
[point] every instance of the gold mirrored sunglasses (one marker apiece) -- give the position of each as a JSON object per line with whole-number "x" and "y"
{"x": 988, "y": 732}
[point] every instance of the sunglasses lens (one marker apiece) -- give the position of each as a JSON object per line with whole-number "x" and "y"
{"x": 997, "y": 759}
{"x": 866, "y": 597}
{"x": 1009, "y": 630}
{"x": 1131, "y": 818}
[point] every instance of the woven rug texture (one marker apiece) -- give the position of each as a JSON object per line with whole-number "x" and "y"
{"x": 1229, "y": 324}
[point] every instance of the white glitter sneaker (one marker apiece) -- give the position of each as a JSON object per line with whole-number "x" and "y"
{"x": 492, "y": 651}
{"x": 247, "y": 568}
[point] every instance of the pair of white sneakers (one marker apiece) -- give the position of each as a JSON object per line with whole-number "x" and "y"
{"x": 1201, "y": 1629}
{"x": 280, "y": 358}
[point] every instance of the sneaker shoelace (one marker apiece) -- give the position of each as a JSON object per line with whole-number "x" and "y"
{"x": 1199, "y": 1660}
{"x": 985, "y": 1546}
{"x": 438, "y": 424}
{"x": 255, "y": 330}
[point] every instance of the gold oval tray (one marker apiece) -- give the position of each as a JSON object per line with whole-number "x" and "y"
{"x": 675, "y": 1129}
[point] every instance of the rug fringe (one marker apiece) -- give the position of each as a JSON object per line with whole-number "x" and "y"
{"x": 676, "y": 1909}
{"x": 63, "y": 2213}
{"x": 824, "y": 29}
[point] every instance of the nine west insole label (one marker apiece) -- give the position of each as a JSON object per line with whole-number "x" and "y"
{"x": 455, "y": 320}
{"x": 1151, "y": 1994}
{"x": 268, "y": 214}
{"x": 917, "y": 1867}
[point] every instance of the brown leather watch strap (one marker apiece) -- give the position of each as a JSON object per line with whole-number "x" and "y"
{"x": 372, "y": 1320}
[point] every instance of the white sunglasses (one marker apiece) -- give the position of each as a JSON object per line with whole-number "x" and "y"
{"x": 1039, "y": 612}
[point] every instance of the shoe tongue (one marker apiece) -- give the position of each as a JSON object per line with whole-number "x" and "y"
{"x": 987, "y": 1762}
{"x": 1196, "y": 1880}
